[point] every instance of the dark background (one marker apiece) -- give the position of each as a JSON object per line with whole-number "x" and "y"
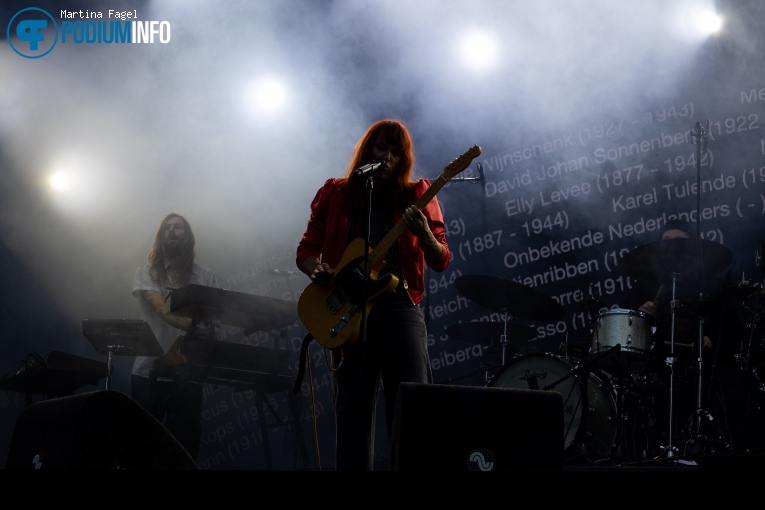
{"x": 599, "y": 99}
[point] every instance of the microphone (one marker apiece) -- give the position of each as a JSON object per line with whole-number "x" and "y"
{"x": 481, "y": 176}
{"x": 594, "y": 299}
{"x": 369, "y": 169}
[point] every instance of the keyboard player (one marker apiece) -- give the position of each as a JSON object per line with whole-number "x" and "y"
{"x": 171, "y": 264}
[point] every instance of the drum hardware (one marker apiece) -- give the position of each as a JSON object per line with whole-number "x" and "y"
{"x": 581, "y": 440}
{"x": 670, "y": 362}
{"x": 744, "y": 291}
{"x": 752, "y": 327}
{"x": 688, "y": 260}
{"x": 580, "y": 402}
{"x": 492, "y": 333}
{"x": 484, "y": 368}
{"x": 584, "y": 366}
{"x": 510, "y": 299}
{"x": 622, "y": 384}
{"x": 700, "y": 417}
{"x": 758, "y": 380}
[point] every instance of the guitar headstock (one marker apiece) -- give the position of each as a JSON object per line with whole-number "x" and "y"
{"x": 461, "y": 163}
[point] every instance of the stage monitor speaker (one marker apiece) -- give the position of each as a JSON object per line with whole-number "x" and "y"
{"x": 467, "y": 428}
{"x": 98, "y": 430}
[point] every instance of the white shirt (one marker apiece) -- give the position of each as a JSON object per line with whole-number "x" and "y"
{"x": 165, "y": 333}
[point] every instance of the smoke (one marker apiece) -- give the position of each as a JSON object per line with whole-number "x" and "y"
{"x": 149, "y": 129}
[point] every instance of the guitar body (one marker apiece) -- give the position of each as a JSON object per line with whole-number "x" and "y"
{"x": 332, "y": 313}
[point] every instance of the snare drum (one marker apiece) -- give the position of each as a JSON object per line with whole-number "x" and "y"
{"x": 539, "y": 371}
{"x": 631, "y": 330}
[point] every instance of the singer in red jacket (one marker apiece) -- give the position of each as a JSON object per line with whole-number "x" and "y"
{"x": 393, "y": 347}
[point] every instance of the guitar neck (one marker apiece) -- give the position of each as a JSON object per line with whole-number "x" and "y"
{"x": 377, "y": 255}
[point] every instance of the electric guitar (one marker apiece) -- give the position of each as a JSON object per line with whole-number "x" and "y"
{"x": 332, "y": 312}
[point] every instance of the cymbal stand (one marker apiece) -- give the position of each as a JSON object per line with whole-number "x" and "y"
{"x": 503, "y": 348}
{"x": 503, "y": 336}
{"x": 700, "y": 138}
{"x": 670, "y": 360}
{"x": 700, "y": 411}
{"x": 755, "y": 309}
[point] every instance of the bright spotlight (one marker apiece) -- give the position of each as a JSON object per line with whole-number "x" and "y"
{"x": 694, "y": 23}
{"x": 75, "y": 183}
{"x": 478, "y": 50}
{"x": 266, "y": 94}
{"x": 60, "y": 181}
{"x": 709, "y": 22}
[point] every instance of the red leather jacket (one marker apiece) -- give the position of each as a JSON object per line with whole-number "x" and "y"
{"x": 326, "y": 236}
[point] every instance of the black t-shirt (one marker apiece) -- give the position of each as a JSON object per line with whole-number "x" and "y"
{"x": 700, "y": 305}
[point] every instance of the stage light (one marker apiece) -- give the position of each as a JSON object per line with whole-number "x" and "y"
{"x": 478, "y": 50}
{"x": 694, "y": 23}
{"x": 60, "y": 181}
{"x": 709, "y": 22}
{"x": 78, "y": 183}
{"x": 267, "y": 94}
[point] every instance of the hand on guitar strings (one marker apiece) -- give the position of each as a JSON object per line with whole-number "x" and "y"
{"x": 416, "y": 221}
{"x": 322, "y": 274}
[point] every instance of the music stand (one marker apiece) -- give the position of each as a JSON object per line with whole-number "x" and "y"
{"x": 120, "y": 337}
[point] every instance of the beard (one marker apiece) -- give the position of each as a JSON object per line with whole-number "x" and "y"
{"x": 175, "y": 249}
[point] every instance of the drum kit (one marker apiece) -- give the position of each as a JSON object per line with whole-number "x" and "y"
{"x": 616, "y": 406}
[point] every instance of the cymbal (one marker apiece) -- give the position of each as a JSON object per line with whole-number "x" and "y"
{"x": 507, "y": 296}
{"x": 490, "y": 332}
{"x": 660, "y": 259}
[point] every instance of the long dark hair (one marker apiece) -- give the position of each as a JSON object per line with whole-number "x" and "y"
{"x": 184, "y": 263}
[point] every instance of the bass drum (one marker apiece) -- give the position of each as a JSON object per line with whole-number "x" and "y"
{"x": 540, "y": 371}
{"x": 601, "y": 416}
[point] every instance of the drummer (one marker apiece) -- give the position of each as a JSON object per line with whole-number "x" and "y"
{"x": 652, "y": 295}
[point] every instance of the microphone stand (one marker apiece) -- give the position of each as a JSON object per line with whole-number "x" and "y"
{"x": 465, "y": 179}
{"x": 478, "y": 180}
{"x": 367, "y": 245}
{"x": 363, "y": 301}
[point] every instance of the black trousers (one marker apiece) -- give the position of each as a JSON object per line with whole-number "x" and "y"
{"x": 395, "y": 350}
{"x": 177, "y": 405}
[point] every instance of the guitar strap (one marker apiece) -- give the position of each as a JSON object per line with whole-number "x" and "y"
{"x": 301, "y": 368}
